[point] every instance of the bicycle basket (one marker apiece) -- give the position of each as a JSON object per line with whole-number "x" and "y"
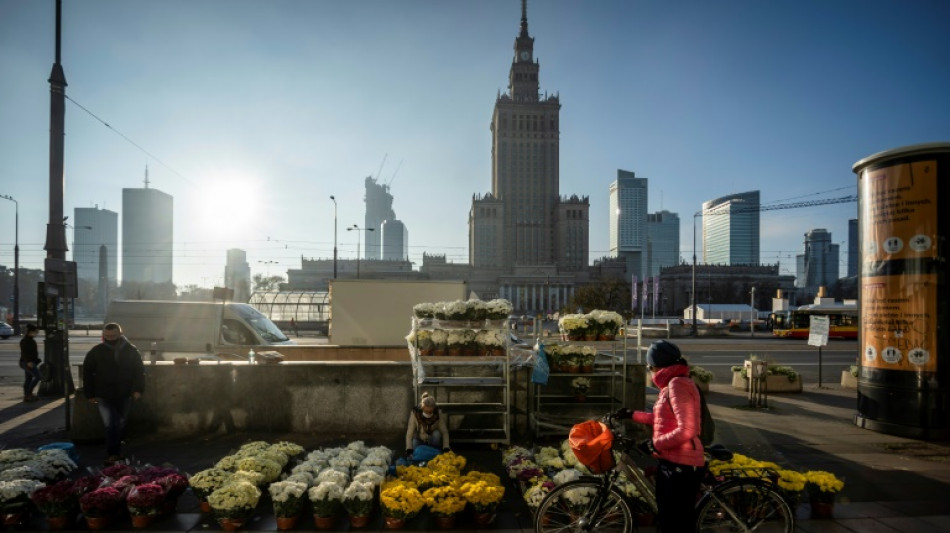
{"x": 591, "y": 442}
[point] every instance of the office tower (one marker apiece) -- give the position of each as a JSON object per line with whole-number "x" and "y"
{"x": 818, "y": 266}
{"x": 147, "y": 229}
{"x": 524, "y": 221}
{"x": 237, "y": 275}
{"x": 853, "y": 247}
{"x": 663, "y": 241}
{"x": 731, "y": 230}
{"x": 395, "y": 239}
{"x": 628, "y": 221}
{"x": 379, "y": 208}
{"x": 96, "y": 253}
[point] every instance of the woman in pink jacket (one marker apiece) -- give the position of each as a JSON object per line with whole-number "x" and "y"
{"x": 675, "y": 442}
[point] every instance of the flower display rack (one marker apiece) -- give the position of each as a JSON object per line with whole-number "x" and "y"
{"x": 472, "y": 382}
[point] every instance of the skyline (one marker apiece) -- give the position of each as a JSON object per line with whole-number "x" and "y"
{"x": 702, "y": 100}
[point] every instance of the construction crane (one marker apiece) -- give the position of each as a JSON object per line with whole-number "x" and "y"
{"x": 773, "y": 207}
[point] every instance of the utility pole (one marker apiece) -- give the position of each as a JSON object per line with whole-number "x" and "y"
{"x": 358, "y": 230}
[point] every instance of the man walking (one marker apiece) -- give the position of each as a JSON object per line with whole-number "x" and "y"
{"x": 113, "y": 377}
{"x": 30, "y": 362}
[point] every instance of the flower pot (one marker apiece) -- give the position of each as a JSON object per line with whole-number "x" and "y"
{"x": 572, "y": 369}
{"x": 286, "y": 522}
{"x": 57, "y": 523}
{"x": 483, "y": 519}
{"x": 445, "y": 522}
{"x": 455, "y": 351}
{"x": 587, "y": 369}
{"x": 98, "y": 522}
{"x": 323, "y": 522}
{"x": 580, "y": 398}
{"x": 231, "y": 524}
{"x": 590, "y": 337}
{"x": 141, "y": 520}
{"x": 821, "y": 509}
{"x": 425, "y": 351}
{"x": 15, "y": 518}
{"x": 395, "y": 523}
{"x": 359, "y": 521}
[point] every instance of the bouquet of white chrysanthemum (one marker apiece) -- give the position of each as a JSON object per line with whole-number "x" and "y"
{"x": 564, "y": 476}
{"x": 424, "y": 310}
{"x": 236, "y": 499}
{"x": 370, "y": 477}
{"x": 347, "y": 459}
{"x": 301, "y": 477}
{"x": 358, "y": 498}
{"x": 287, "y": 497}
{"x": 536, "y": 493}
{"x": 549, "y": 458}
{"x": 16, "y": 493}
{"x": 23, "y": 471}
{"x": 326, "y": 498}
{"x": 53, "y": 464}
{"x": 290, "y": 449}
{"x": 14, "y": 456}
{"x": 334, "y": 474}
{"x": 205, "y": 482}
{"x": 269, "y": 470}
{"x": 499, "y": 309}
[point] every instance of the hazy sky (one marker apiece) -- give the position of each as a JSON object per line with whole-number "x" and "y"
{"x": 256, "y": 112}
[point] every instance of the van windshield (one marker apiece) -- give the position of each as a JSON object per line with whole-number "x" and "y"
{"x": 264, "y": 327}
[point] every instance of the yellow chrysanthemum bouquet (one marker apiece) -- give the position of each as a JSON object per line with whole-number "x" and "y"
{"x": 482, "y": 495}
{"x": 401, "y": 499}
{"x": 444, "y": 501}
{"x": 822, "y": 486}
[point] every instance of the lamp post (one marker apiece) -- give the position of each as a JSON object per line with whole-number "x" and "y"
{"x": 16, "y": 264}
{"x": 752, "y": 313}
{"x": 334, "y": 235}
{"x": 358, "y": 230}
{"x": 692, "y": 295}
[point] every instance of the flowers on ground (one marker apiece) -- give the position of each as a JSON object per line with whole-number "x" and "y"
{"x": 235, "y": 499}
{"x": 287, "y": 497}
{"x": 205, "y": 482}
{"x": 58, "y": 499}
{"x": 145, "y": 499}
{"x": 822, "y": 485}
{"x": 537, "y": 492}
{"x": 483, "y": 496}
{"x": 358, "y": 497}
{"x": 326, "y": 498}
{"x": 103, "y": 501}
{"x": 16, "y": 493}
{"x": 401, "y": 499}
{"x": 444, "y": 501}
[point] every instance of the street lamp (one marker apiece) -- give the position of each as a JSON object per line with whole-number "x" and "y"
{"x": 334, "y": 235}
{"x": 16, "y": 265}
{"x": 752, "y": 313}
{"x": 358, "y": 229}
{"x": 692, "y": 295}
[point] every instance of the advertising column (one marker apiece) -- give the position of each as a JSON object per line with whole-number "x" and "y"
{"x": 904, "y": 352}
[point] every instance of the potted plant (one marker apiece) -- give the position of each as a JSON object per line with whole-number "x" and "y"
{"x": 791, "y": 484}
{"x": 15, "y": 499}
{"x": 822, "y": 488}
{"x": 444, "y": 503}
{"x": 58, "y": 502}
{"x": 483, "y": 497}
{"x": 580, "y": 386}
{"x": 174, "y": 485}
{"x": 325, "y": 498}
{"x": 358, "y": 501}
{"x": 400, "y": 501}
{"x": 440, "y": 340}
{"x": 849, "y": 377}
{"x": 145, "y": 503}
{"x": 205, "y": 482}
{"x": 574, "y": 326}
{"x": 233, "y": 503}
{"x": 100, "y": 506}
{"x": 498, "y": 309}
{"x": 287, "y": 497}
{"x": 701, "y": 377}
{"x": 536, "y": 493}
{"x": 586, "y": 358}
{"x": 779, "y": 378}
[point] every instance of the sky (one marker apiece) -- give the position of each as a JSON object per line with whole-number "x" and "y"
{"x": 252, "y": 113}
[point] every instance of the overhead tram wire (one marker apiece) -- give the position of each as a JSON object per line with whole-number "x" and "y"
{"x": 740, "y": 210}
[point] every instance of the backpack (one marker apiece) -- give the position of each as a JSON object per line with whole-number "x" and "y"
{"x": 707, "y": 426}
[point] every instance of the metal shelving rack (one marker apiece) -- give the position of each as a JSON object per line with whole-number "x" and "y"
{"x": 473, "y": 391}
{"x": 554, "y": 409}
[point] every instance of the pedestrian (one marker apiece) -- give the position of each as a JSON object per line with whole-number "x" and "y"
{"x": 30, "y": 362}
{"x": 426, "y": 426}
{"x": 676, "y": 420}
{"x": 113, "y": 377}
{"x": 293, "y": 326}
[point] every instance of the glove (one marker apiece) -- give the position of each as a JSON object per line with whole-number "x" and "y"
{"x": 446, "y": 450}
{"x": 622, "y": 414}
{"x": 408, "y": 453}
{"x": 647, "y": 447}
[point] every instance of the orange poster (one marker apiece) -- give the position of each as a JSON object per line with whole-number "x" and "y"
{"x": 899, "y": 318}
{"x": 899, "y": 211}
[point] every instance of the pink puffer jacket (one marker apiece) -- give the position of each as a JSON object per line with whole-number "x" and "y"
{"x": 675, "y": 418}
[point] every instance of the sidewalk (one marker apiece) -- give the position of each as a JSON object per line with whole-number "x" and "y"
{"x": 892, "y": 483}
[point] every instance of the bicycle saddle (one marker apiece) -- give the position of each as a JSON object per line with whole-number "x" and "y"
{"x": 719, "y": 452}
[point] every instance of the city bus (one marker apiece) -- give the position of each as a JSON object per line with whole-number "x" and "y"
{"x": 793, "y": 324}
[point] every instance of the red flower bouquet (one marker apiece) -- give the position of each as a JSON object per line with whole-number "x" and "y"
{"x": 118, "y": 470}
{"x": 146, "y": 499}
{"x": 174, "y": 485}
{"x": 87, "y": 484}
{"x": 101, "y": 502}
{"x": 58, "y": 499}
{"x": 153, "y": 473}
{"x": 125, "y": 484}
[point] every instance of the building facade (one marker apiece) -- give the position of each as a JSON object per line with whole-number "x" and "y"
{"x": 731, "y": 230}
{"x": 818, "y": 266}
{"x": 96, "y": 253}
{"x": 853, "y": 245}
{"x": 395, "y": 239}
{"x": 628, "y": 221}
{"x": 379, "y": 209}
{"x": 237, "y": 274}
{"x": 147, "y": 231}
{"x": 663, "y": 241}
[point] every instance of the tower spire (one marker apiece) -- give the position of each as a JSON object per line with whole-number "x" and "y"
{"x": 146, "y": 175}
{"x": 524, "y": 18}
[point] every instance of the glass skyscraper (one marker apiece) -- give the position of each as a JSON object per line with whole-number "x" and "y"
{"x": 731, "y": 229}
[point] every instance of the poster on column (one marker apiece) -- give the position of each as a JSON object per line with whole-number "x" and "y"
{"x": 898, "y": 315}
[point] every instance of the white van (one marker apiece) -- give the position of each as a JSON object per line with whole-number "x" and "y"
{"x": 166, "y": 327}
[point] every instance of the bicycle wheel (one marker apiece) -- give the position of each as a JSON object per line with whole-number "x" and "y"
{"x": 583, "y": 505}
{"x": 744, "y": 505}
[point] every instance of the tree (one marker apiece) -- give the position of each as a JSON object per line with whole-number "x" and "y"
{"x": 610, "y": 294}
{"x": 264, "y": 283}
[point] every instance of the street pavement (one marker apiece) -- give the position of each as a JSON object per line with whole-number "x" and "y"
{"x": 891, "y": 483}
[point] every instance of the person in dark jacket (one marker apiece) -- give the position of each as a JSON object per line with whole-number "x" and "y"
{"x": 113, "y": 377}
{"x": 427, "y": 425}
{"x": 676, "y": 421}
{"x": 30, "y": 362}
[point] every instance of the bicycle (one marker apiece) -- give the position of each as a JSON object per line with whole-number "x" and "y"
{"x": 745, "y": 500}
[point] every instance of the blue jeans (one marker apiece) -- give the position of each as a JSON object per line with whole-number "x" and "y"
{"x": 114, "y": 414}
{"x": 32, "y": 378}
{"x": 435, "y": 440}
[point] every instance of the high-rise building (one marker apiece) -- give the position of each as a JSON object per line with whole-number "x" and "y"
{"x": 96, "y": 253}
{"x": 237, "y": 275}
{"x": 731, "y": 230}
{"x": 663, "y": 241}
{"x": 628, "y": 221}
{"x": 818, "y": 266}
{"x": 395, "y": 239}
{"x": 853, "y": 247}
{"x": 147, "y": 230}
{"x": 524, "y": 222}
{"x": 379, "y": 209}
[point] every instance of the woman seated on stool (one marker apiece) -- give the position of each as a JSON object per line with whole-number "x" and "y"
{"x": 426, "y": 426}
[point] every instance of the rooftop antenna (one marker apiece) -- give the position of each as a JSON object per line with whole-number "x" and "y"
{"x": 378, "y": 172}
{"x": 146, "y": 175}
{"x": 394, "y": 173}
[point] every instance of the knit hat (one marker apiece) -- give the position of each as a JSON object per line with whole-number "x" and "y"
{"x": 662, "y": 354}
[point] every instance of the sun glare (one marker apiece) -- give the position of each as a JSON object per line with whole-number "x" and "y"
{"x": 225, "y": 207}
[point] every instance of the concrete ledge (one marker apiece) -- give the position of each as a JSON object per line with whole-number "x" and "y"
{"x": 848, "y": 381}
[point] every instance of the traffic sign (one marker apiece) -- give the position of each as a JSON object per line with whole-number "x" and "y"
{"x": 818, "y": 330}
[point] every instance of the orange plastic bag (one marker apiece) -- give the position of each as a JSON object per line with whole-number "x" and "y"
{"x": 591, "y": 442}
